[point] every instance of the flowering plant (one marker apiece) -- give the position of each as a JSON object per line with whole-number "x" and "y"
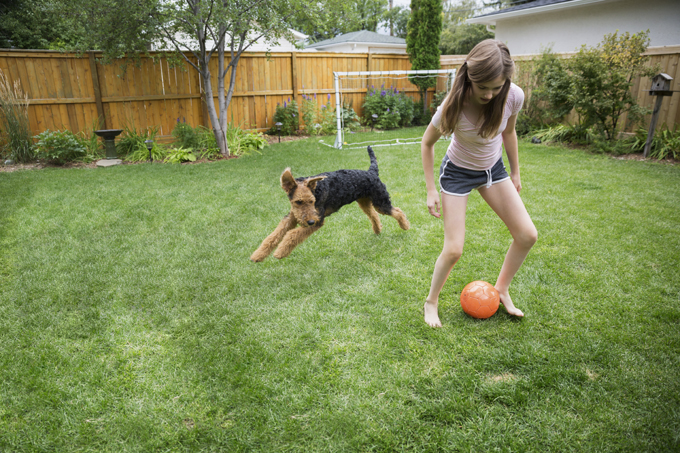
{"x": 393, "y": 108}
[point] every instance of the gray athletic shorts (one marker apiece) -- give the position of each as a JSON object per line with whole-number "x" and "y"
{"x": 458, "y": 181}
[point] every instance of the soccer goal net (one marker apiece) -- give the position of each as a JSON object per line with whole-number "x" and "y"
{"x": 353, "y": 87}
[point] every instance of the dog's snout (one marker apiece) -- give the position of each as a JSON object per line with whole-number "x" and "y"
{"x": 310, "y": 222}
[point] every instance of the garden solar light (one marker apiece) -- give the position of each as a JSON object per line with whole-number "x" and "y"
{"x": 278, "y": 128}
{"x": 374, "y": 118}
{"x": 149, "y": 146}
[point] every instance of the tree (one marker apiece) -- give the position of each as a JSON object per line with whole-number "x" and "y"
{"x": 397, "y": 17}
{"x": 602, "y": 77}
{"x": 201, "y": 29}
{"x": 422, "y": 42}
{"x": 331, "y": 18}
{"x": 458, "y": 37}
{"x": 34, "y": 24}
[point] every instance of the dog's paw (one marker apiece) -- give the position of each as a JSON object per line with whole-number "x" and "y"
{"x": 257, "y": 257}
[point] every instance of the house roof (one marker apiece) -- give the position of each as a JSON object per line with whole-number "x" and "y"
{"x": 356, "y": 37}
{"x": 531, "y": 7}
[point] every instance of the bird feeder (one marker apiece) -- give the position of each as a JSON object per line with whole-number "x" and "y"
{"x": 661, "y": 86}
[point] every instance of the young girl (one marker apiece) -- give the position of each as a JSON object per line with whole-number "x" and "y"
{"x": 480, "y": 111}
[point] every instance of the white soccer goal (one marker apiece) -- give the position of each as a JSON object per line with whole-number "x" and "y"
{"x": 364, "y": 79}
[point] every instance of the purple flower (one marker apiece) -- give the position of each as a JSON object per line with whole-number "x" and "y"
{"x": 284, "y": 104}
{"x": 293, "y": 115}
{"x": 323, "y": 106}
{"x": 388, "y": 110}
{"x": 289, "y": 99}
{"x": 314, "y": 95}
{"x": 372, "y": 87}
{"x": 329, "y": 96}
{"x": 382, "y": 93}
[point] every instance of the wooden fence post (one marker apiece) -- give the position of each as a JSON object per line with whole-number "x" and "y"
{"x": 97, "y": 92}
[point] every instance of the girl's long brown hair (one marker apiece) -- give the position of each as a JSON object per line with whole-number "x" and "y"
{"x": 487, "y": 61}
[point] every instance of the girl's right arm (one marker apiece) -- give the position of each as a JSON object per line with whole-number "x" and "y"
{"x": 427, "y": 150}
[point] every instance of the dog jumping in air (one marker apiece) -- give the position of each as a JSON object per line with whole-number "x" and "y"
{"x": 313, "y": 198}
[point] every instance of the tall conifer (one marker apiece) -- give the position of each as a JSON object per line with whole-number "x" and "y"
{"x": 422, "y": 41}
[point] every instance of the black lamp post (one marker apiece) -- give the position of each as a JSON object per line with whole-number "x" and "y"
{"x": 374, "y": 118}
{"x": 149, "y": 146}
{"x": 278, "y": 128}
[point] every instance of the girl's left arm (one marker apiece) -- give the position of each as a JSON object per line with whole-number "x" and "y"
{"x": 512, "y": 150}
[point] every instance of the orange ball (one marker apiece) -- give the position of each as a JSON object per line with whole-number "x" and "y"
{"x": 479, "y": 299}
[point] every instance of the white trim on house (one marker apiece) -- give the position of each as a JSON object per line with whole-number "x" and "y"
{"x": 491, "y": 19}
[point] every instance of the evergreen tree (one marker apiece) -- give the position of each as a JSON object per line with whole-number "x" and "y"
{"x": 422, "y": 42}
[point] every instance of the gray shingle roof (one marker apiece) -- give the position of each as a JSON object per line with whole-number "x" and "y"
{"x": 360, "y": 36}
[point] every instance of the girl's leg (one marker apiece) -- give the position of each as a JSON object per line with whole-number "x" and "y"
{"x": 505, "y": 201}
{"x": 453, "y": 213}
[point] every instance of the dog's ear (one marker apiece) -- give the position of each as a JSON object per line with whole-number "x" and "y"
{"x": 311, "y": 182}
{"x": 288, "y": 183}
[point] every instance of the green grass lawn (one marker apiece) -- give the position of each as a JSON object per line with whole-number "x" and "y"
{"x": 132, "y": 320}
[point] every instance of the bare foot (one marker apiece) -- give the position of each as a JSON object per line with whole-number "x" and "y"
{"x": 509, "y": 306}
{"x": 431, "y": 312}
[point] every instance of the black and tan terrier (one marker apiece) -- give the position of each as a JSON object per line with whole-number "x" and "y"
{"x": 313, "y": 198}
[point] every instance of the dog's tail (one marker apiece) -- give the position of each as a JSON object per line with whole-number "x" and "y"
{"x": 374, "y": 161}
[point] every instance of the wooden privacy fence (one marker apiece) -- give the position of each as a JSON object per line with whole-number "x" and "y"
{"x": 667, "y": 57}
{"x": 77, "y": 92}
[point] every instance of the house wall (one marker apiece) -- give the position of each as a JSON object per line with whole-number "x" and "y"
{"x": 567, "y": 29}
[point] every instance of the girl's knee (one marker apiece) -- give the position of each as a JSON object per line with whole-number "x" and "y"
{"x": 528, "y": 237}
{"x": 451, "y": 254}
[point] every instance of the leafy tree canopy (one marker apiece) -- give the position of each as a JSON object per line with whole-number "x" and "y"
{"x": 333, "y": 18}
{"x": 458, "y": 38}
{"x": 35, "y": 24}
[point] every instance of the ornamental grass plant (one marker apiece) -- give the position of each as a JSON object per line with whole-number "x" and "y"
{"x": 132, "y": 320}
{"x": 15, "y": 130}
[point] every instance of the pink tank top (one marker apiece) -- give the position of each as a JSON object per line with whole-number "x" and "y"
{"x": 469, "y": 150}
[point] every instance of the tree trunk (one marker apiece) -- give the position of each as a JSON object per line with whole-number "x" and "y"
{"x": 220, "y": 134}
{"x": 220, "y": 93}
{"x": 424, "y": 98}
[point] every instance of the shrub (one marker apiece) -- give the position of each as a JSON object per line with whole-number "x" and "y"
{"x": 59, "y": 147}
{"x": 132, "y": 147}
{"x": 93, "y": 147}
{"x": 420, "y": 117}
{"x": 158, "y": 154}
{"x": 393, "y": 109}
{"x": 665, "y": 143}
{"x": 551, "y": 99}
{"x": 186, "y": 136}
{"x": 15, "y": 131}
{"x": 287, "y": 115}
{"x": 350, "y": 119}
{"x": 565, "y": 133}
{"x": 179, "y": 155}
{"x": 242, "y": 142}
{"x": 327, "y": 119}
{"x": 602, "y": 77}
{"x": 323, "y": 121}
{"x": 200, "y": 139}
